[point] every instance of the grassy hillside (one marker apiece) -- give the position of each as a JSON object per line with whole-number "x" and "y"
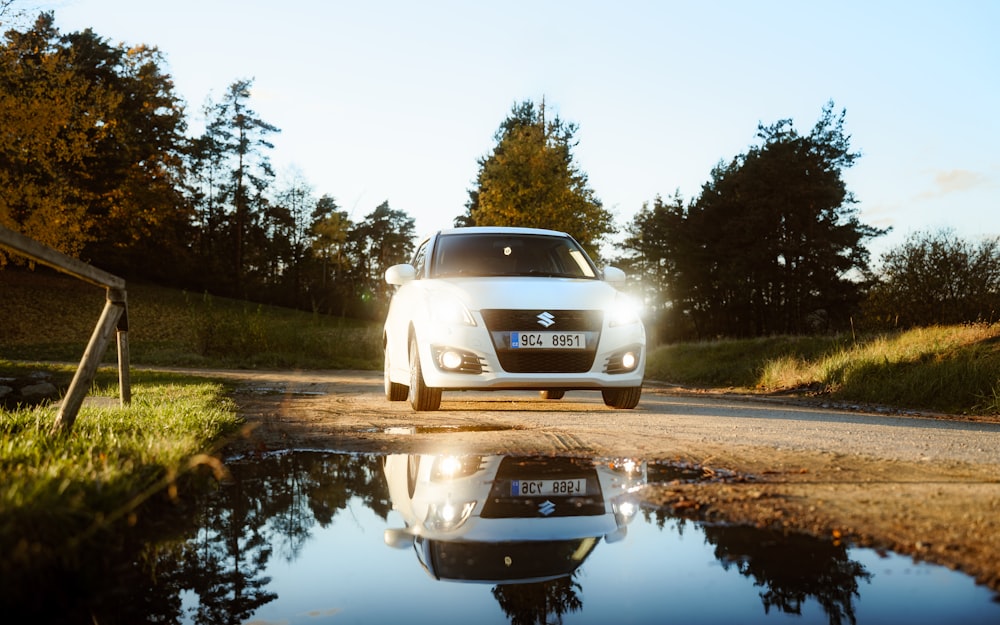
{"x": 952, "y": 369}
{"x": 47, "y": 316}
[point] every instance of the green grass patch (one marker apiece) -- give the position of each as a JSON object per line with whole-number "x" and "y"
{"x": 58, "y": 491}
{"x": 952, "y": 369}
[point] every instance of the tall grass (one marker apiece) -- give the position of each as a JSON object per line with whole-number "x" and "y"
{"x": 953, "y": 369}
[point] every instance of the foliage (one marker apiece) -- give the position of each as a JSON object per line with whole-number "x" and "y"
{"x": 530, "y": 180}
{"x": 655, "y": 252}
{"x": 937, "y": 278}
{"x": 331, "y": 264}
{"x": 383, "y": 239}
{"x": 233, "y": 172}
{"x": 772, "y": 243}
{"x": 90, "y": 142}
{"x": 953, "y": 369}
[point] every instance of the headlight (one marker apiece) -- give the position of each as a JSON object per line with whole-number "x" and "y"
{"x": 448, "y": 516}
{"x": 624, "y": 511}
{"x": 453, "y": 467}
{"x": 624, "y": 311}
{"x": 448, "y": 310}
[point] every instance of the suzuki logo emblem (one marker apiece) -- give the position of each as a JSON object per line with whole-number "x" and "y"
{"x": 546, "y": 319}
{"x": 546, "y": 508}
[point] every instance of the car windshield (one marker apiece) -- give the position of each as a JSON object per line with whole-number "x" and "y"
{"x": 505, "y": 254}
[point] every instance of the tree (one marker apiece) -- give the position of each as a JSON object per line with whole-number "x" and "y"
{"x": 235, "y": 142}
{"x": 530, "y": 180}
{"x": 383, "y": 239}
{"x": 329, "y": 232}
{"x": 773, "y": 243}
{"x": 653, "y": 249}
{"x": 937, "y": 278}
{"x": 90, "y": 136}
{"x": 286, "y": 228}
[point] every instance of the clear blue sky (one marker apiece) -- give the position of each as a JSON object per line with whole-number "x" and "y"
{"x": 396, "y": 100}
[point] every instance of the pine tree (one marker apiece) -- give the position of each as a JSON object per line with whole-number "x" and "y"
{"x": 530, "y": 180}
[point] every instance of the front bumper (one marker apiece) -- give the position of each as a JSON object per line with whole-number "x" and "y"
{"x": 481, "y": 367}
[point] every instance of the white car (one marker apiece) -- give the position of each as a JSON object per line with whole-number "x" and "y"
{"x": 491, "y": 308}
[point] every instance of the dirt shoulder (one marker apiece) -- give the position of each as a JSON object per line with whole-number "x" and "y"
{"x": 944, "y": 510}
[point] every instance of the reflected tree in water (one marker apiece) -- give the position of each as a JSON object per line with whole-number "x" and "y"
{"x": 270, "y": 506}
{"x": 336, "y": 479}
{"x": 223, "y": 565}
{"x": 540, "y": 603}
{"x": 791, "y": 569}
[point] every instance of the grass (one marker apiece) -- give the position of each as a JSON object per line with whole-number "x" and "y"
{"x": 58, "y": 491}
{"x": 48, "y": 316}
{"x": 950, "y": 369}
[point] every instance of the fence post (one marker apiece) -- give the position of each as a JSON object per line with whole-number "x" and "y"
{"x": 88, "y": 364}
{"x": 124, "y": 378}
{"x": 114, "y": 317}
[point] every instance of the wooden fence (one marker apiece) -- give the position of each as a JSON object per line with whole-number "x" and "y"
{"x": 114, "y": 319}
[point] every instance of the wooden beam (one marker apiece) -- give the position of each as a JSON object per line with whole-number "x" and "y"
{"x": 57, "y": 260}
{"x": 85, "y": 373}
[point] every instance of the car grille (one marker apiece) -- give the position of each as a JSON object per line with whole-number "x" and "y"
{"x": 501, "y": 322}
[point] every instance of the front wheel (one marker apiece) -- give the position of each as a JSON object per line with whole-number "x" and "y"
{"x": 624, "y": 398}
{"x": 420, "y": 395}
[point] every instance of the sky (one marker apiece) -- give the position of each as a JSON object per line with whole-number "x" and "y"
{"x": 398, "y": 100}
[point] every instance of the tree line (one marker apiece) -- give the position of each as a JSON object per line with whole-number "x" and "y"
{"x": 96, "y": 161}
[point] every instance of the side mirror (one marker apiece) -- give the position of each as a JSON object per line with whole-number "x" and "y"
{"x": 400, "y": 274}
{"x": 397, "y": 538}
{"x": 614, "y": 275}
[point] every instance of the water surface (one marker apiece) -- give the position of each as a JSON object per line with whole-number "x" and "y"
{"x": 319, "y": 537}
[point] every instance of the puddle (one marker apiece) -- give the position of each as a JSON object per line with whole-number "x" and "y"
{"x": 317, "y": 537}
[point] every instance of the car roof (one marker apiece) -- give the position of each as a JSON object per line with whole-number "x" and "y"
{"x": 500, "y": 230}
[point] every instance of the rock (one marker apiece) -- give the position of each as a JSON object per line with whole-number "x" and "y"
{"x": 39, "y": 391}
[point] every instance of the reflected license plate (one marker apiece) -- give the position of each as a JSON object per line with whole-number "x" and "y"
{"x": 548, "y": 340}
{"x": 548, "y": 488}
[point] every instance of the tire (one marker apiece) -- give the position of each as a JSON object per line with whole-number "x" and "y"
{"x": 624, "y": 398}
{"x": 552, "y": 393}
{"x": 422, "y": 398}
{"x": 412, "y": 468}
{"x": 394, "y": 391}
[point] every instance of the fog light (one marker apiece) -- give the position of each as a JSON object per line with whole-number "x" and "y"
{"x": 628, "y": 360}
{"x": 451, "y": 360}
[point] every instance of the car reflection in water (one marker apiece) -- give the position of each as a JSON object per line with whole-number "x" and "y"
{"x": 509, "y": 519}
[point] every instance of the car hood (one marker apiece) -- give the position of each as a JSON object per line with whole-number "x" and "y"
{"x": 529, "y": 293}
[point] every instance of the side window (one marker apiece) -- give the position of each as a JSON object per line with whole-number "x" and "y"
{"x": 420, "y": 259}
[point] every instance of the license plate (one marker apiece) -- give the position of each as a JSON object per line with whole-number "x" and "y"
{"x": 548, "y": 340}
{"x": 548, "y": 488}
